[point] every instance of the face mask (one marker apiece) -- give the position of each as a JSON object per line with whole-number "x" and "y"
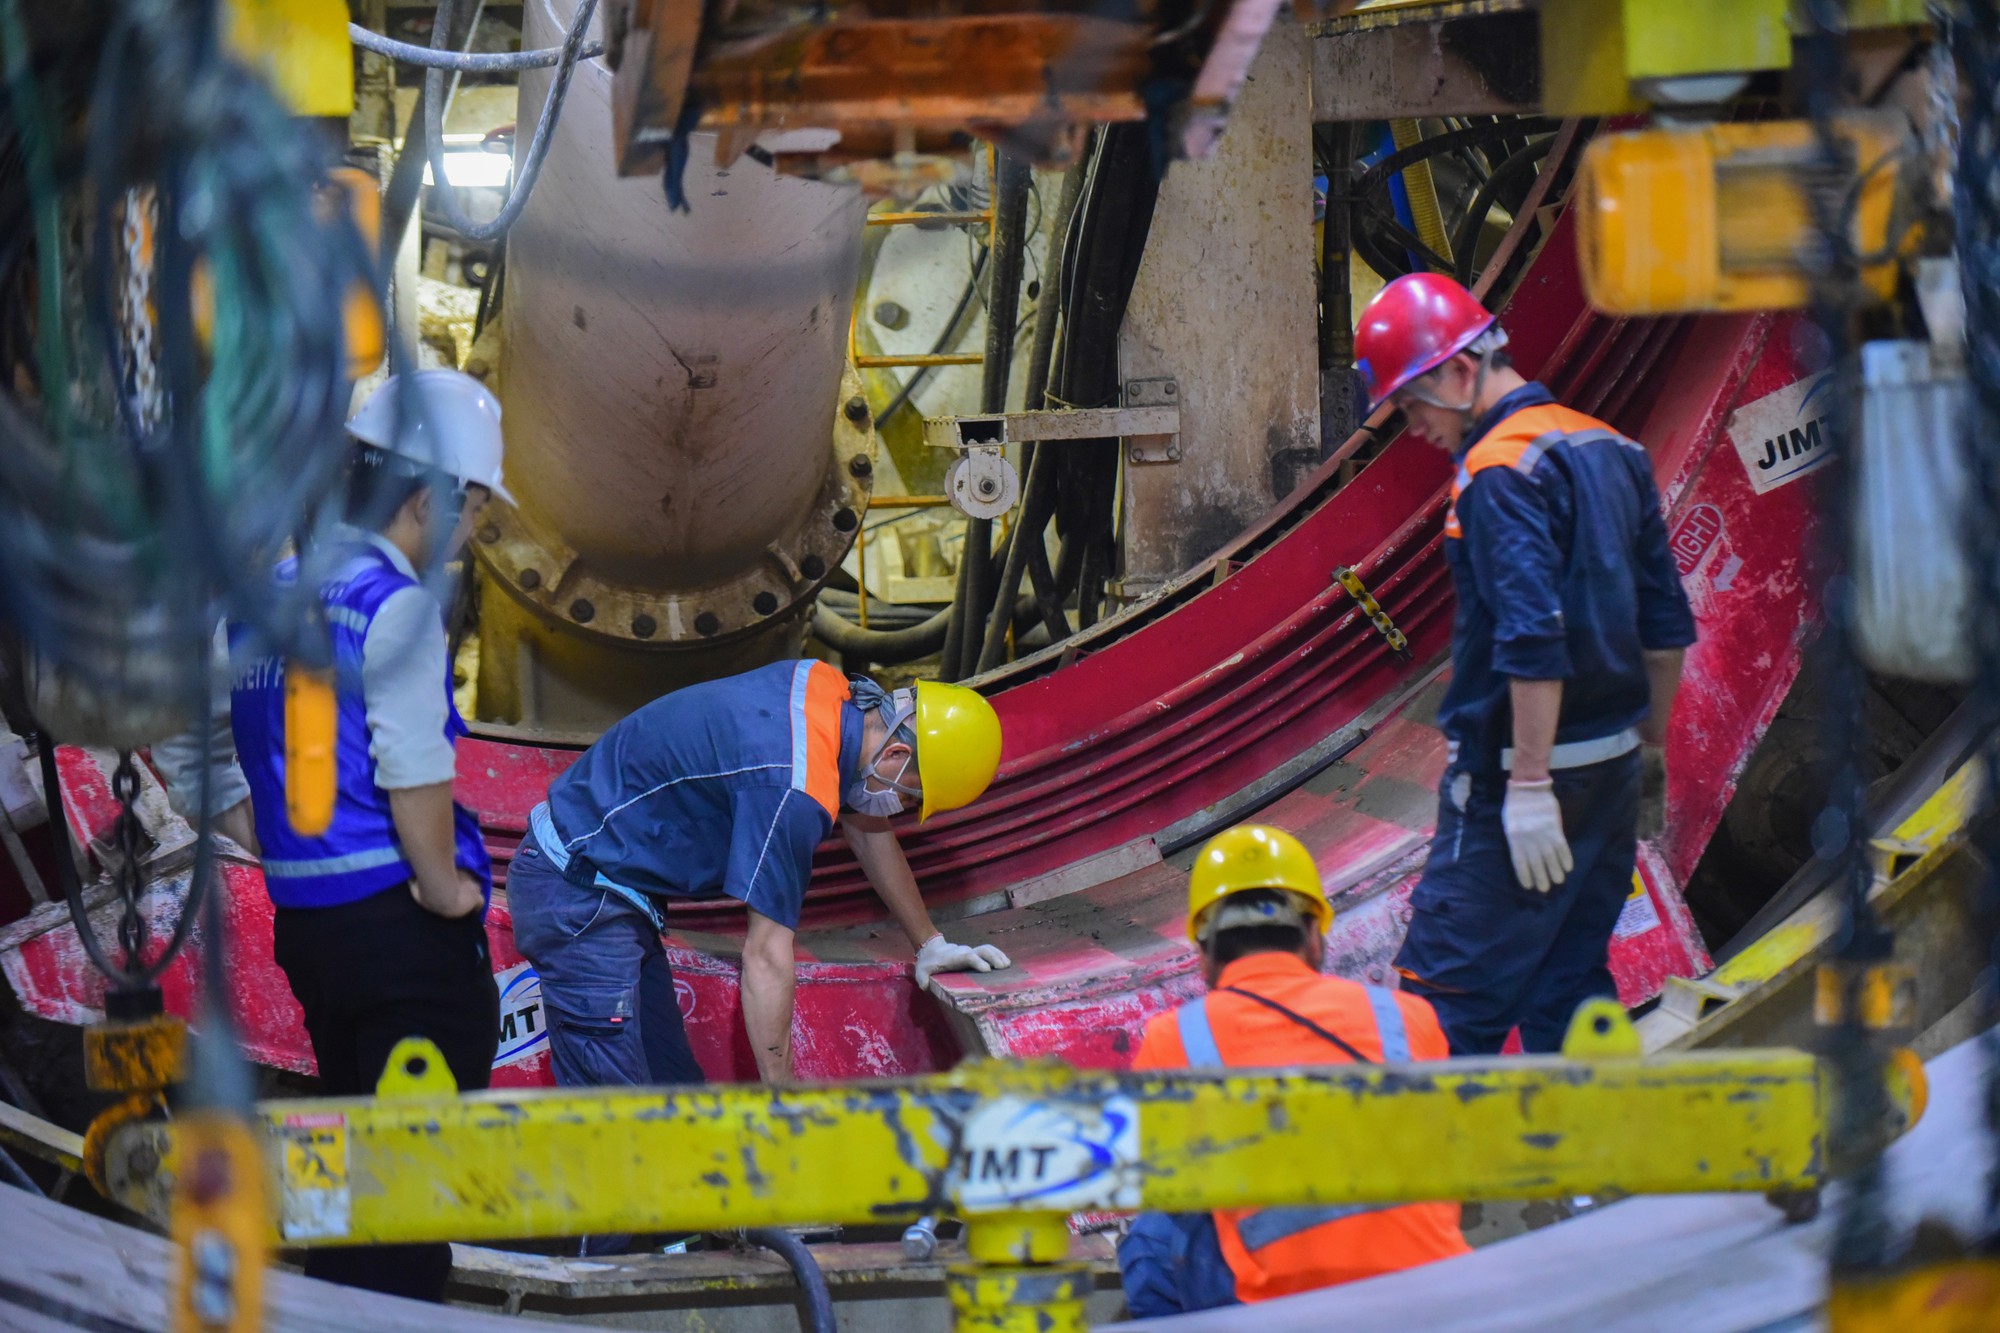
{"x": 858, "y": 798}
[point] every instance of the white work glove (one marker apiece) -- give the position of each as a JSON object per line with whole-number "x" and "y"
{"x": 1534, "y": 825}
{"x": 941, "y": 955}
{"x": 1652, "y": 790}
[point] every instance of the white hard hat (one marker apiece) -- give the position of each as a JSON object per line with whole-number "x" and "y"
{"x": 453, "y": 426}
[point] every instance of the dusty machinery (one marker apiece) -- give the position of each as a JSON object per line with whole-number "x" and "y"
{"x": 1239, "y": 676}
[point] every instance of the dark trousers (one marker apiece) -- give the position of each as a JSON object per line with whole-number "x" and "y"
{"x": 1489, "y": 954}
{"x": 369, "y": 974}
{"x": 1172, "y": 1263}
{"x": 607, "y": 988}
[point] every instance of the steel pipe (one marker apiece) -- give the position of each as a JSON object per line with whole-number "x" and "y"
{"x": 691, "y": 456}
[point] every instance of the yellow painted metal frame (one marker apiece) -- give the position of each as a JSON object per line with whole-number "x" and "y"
{"x": 300, "y": 46}
{"x": 1915, "y": 849}
{"x": 417, "y": 1163}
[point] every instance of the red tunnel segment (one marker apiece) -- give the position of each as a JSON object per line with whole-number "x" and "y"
{"x": 1209, "y": 702}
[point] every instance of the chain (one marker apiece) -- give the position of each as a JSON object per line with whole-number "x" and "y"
{"x": 131, "y": 845}
{"x": 1939, "y": 134}
{"x": 1860, "y": 1099}
{"x": 136, "y": 324}
{"x": 1976, "y": 209}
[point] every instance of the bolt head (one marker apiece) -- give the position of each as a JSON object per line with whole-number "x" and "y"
{"x": 707, "y": 624}
{"x": 644, "y": 627}
{"x": 861, "y": 465}
{"x": 489, "y": 533}
{"x": 856, "y": 409}
{"x": 531, "y": 579}
{"x": 581, "y": 611}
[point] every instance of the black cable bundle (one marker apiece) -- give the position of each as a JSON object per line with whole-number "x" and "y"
{"x": 127, "y": 531}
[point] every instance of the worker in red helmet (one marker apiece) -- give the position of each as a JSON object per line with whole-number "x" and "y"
{"x": 1566, "y": 654}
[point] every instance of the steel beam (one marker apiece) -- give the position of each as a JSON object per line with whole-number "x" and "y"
{"x": 1004, "y": 1140}
{"x": 1465, "y": 59}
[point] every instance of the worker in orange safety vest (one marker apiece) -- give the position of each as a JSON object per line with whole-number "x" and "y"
{"x": 1259, "y": 915}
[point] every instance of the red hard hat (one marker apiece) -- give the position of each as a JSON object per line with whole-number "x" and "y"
{"x": 1413, "y": 326}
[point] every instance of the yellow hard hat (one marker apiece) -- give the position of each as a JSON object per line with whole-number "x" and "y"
{"x": 958, "y": 745}
{"x": 1254, "y": 856}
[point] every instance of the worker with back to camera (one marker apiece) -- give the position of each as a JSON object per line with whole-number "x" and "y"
{"x": 727, "y": 787}
{"x": 379, "y": 921}
{"x": 1259, "y": 916}
{"x": 1566, "y": 655}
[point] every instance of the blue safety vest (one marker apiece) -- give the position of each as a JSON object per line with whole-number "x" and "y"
{"x": 358, "y": 856}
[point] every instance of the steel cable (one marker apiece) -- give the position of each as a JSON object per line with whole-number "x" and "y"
{"x": 443, "y": 194}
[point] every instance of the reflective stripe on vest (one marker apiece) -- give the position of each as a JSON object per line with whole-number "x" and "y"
{"x": 1268, "y": 1226}
{"x": 1389, "y": 1025}
{"x": 330, "y": 865}
{"x": 1198, "y": 1037}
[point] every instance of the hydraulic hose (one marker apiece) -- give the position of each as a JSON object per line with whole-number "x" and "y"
{"x": 1520, "y": 167}
{"x": 496, "y": 62}
{"x": 812, "y": 1283}
{"x": 1038, "y": 494}
{"x": 1012, "y": 178}
{"x": 890, "y": 647}
{"x": 538, "y": 147}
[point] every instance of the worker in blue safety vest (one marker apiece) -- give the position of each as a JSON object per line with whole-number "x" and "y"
{"x": 1566, "y": 654}
{"x": 379, "y": 920}
{"x": 1259, "y": 916}
{"x": 725, "y": 788}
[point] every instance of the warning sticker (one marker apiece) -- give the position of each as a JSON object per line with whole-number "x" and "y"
{"x": 1638, "y": 915}
{"x": 316, "y": 1203}
{"x": 1782, "y": 436}
{"x": 1018, "y": 1152}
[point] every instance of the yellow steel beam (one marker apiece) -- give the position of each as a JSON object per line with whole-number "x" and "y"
{"x": 1917, "y": 874}
{"x": 996, "y": 1139}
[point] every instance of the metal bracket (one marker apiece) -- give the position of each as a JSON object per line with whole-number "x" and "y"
{"x": 1150, "y": 422}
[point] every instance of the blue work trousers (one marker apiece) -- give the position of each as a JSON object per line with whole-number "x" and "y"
{"x": 1171, "y": 1263}
{"x": 606, "y": 983}
{"x": 1489, "y": 954}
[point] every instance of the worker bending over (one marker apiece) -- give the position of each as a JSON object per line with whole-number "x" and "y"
{"x": 1566, "y": 653}
{"x": 1256, "y": 909}
{"x": 379, "y": 920}
{"x": 727, "y": 787}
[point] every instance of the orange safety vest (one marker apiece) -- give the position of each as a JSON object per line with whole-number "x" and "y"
{"x": 1280, "y": 1251}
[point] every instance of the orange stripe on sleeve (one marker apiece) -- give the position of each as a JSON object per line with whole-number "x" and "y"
{"x": 826, "y": 691}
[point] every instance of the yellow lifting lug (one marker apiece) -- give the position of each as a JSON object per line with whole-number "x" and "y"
{"x": 137, "y": 1048}
{"x": 1884, "y": 994}
{"x": 1601, "y": 1030}
{"x": 416, "y": 1070}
